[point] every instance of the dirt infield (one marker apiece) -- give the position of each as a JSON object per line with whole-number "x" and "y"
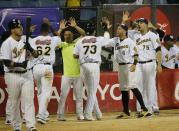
{"x": 168, "y": 120}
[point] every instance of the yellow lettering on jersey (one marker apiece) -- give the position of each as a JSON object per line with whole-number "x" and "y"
{"x": 143, "y": 41}
{"x": 122, "y": 47}
{"x": 16, "y": 52}
{"x": 169, "y": 58}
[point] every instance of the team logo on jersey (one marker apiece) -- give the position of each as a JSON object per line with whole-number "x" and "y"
{"x": 137, "y": 40}
{"x": 43, "y": 42}
{"x": 158, "y": 41}
{"x": 143, "y": 41}
{"x": 17, "y": 52}
{"x": 122, "y": 47}
{"x": 91, "y": 40}
{"x": 167, "y": 58}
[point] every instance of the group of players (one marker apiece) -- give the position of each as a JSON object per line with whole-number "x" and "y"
{"x": 137, "y": 50}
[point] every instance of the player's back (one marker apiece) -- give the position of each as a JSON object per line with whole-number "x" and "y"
{"x": 46, "y": 48}
{"x": 89, "y": 49}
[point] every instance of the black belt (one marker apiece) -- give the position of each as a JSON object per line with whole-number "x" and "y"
{"x": 19, "y": 72}
{"x": 90, "y": 62}
{"x": 45, "y": 63}
{"x": 124, "y": 63}
{"x": 144, "y": 62}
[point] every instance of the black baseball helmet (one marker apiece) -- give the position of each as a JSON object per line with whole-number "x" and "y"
{"x": 90, "y": 28}
{"x": 142, "y": 20}
{"x": 169, "y": 38}
{"x": 123, "y": 26}
{"x": 14, "y": 23}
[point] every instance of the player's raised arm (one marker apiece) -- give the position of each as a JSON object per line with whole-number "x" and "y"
{"x": 62, "y": 26}
{"x": 125, "y": 17}
{"x": 74, "y": 25}
{"x": 105, "y": 40}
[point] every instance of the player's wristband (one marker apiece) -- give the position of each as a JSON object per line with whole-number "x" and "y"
{"x": 28, "y": 47}
{"x": 158, "y": 49}
{"x": 136, "y": 55}
{"x": 135, "y": 62}
{"x": 104, "y": 26}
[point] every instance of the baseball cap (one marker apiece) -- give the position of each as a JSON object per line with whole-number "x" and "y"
{"x": 14, "y": 23}
{"x": 143, "y": 20}
{"x": 169, "y": 38}
{"x": 123, "y": 26}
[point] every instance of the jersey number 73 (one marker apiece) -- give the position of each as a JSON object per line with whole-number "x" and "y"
{"x": 90, "y": 49}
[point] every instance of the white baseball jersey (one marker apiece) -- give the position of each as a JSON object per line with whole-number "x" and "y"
{"x": 123, "y": 50}
{"x": 146, "y": 45}
{"x": 176, "y": 48}
{"x": 89, "y": 48}
{"x": 168, "y": 57}
{"x": 46, "y": 48}
{"x": 14, "y": 50}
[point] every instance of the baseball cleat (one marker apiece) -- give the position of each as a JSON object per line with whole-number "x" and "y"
{"x": 32, "y": 129}
{"x": 157, "y": 112}
{"x": 99, "y": 116}
{"x": 144, "y": 114}
{"x": 8, "y": 122}
{"x": 89, "y": 119}
{"x": 61, "y": 119}
{"x": 41, "y": 121}
{"x": 123, "y": 115}
{"x": 47, "y": 119}
{"x": 80, "y": 118}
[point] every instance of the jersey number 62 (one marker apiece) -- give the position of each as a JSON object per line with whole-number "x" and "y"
{"x": 46, "y": 50}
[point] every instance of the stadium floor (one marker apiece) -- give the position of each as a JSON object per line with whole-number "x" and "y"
{"x": 168, "y": 120}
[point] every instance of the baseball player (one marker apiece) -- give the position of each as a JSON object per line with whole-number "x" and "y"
{"x": 176, "y": 48}
{"x": 169, "y": 55}
{"x": 18, "y": 75}
{"x": 88, "y": 51}
{"x": 126, "y": 55}
{"x": 71, "y": 69}
{"x": 43, "y": 69}
{"x": 8, "y": 103}
{"x": 148, "y": 44}
{"x": 133, "y": 33}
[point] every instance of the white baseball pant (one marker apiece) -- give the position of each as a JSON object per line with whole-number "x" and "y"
{"x": 21, "y": 86}
{"x": 9, "y": 108}
{"x": 90, "y": 73}
{"x": 128, "y": 79}
{"x": 66, "y": 83}
{"x": 43, "y": 74}
{"x": 146, "y": 82}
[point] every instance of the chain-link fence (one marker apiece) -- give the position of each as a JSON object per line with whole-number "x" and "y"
{"x": 165, "y": 14}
